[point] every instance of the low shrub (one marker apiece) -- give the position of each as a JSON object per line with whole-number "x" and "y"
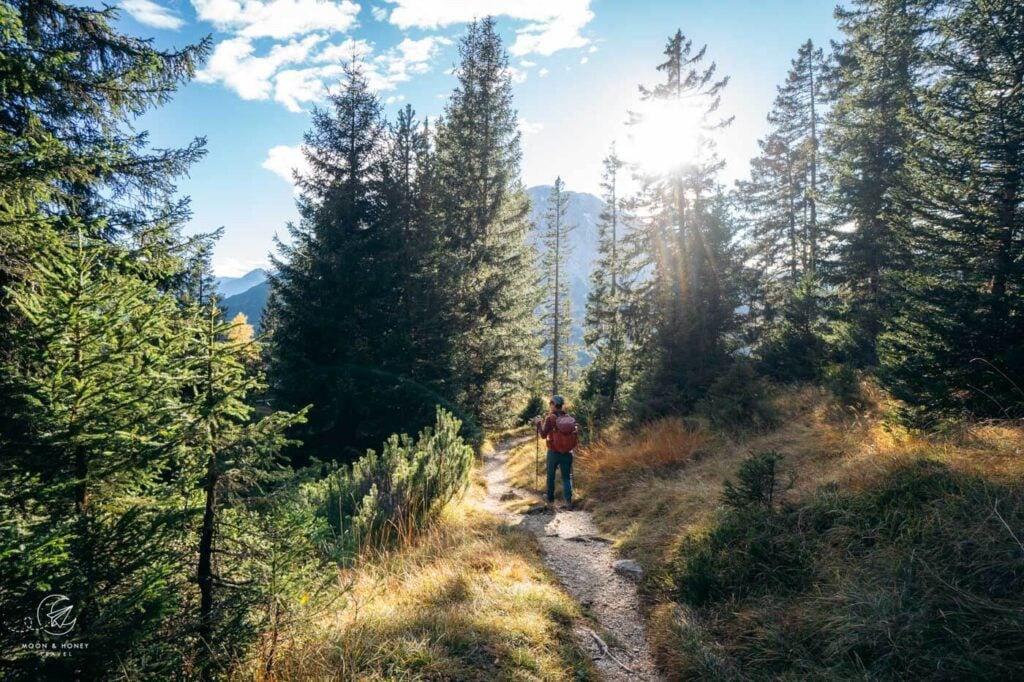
{"x": 754, "y": 549}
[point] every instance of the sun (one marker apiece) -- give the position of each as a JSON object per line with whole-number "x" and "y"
{"x": 668, "y": 135}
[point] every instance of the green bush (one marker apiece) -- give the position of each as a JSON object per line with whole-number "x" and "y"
{"x": 383, "y": 497}
{"x": 534, "y": 407}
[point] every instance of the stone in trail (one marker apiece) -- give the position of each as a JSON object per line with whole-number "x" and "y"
{"x": 582, "y": 559}
{"x": 628, "y": 568}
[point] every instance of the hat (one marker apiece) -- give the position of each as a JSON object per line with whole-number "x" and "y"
{"x": 558, "y": 400}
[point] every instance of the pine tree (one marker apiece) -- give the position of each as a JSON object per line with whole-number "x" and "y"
{"x": 688, "y": 244}
{"x": 556, "y": 313}
{"x": 784, "y": 235}
{"x": 957, "y": 344}
{"x": 337, "y": 282}
{"x": 878, "y": 67}
{"x": 610, "y": 284}
{"x": 486, "y": 264}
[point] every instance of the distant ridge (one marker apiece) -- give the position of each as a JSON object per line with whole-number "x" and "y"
{"x": 230, "y": 286}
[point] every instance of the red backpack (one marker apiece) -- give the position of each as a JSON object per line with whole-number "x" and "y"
{"x": 564, "y": 438}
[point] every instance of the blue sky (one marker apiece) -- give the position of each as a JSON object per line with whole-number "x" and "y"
{"x": 577, "y": 64}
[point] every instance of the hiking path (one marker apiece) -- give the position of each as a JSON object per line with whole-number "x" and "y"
{"x": 575, "y": 551}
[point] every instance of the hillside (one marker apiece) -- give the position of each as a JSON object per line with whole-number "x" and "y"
{"x": 231, "y": 286}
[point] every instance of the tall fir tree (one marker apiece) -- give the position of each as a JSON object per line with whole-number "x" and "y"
{"x": 611, "y": 282}
{"x": 956, "y": 346}
{"x": 337, "y": 283}
{"x": 485, "y": 263}
{"x": 876, "y": 75}
{"x": 556, "y": 310}
{"x": 785, "y": 236}
{"x": 688, "y": 243}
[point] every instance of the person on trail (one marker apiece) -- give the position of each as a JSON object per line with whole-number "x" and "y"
{"x": 560, "y": 432}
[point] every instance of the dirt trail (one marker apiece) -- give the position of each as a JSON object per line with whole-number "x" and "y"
{"x": 575, "y": 551}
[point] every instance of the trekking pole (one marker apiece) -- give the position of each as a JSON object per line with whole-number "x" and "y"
{"x": 536, "y": 459}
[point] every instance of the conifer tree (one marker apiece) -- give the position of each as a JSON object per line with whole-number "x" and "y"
{"x": 956, "y": 345}
{"x": 231, "y": 454}
{"x": 785, "y": 237}
{"x": 688, "y": 243}
{"x": 337, "y": 282}
{"x": 486, "y": 264}
{"x": 797, "y": 119}
{"x": 878, "y": 67}
{"x": 556, "y": 315}
{"x": 94, "y": 399}
{"x": 610, "y": 285}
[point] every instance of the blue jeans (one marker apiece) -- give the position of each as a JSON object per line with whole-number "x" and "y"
{"x": 563, "y": 461}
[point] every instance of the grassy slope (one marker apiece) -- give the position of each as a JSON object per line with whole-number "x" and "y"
{"x": 657, "y": 488}
{"x": 470, "y": 600}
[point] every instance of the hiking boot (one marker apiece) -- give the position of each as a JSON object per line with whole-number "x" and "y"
{"x": 569, "y": 506}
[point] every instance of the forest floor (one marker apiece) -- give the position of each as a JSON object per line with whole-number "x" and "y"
{"x": 576, "y": 552}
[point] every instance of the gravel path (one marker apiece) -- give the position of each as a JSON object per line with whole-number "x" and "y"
{"x": 575, "y": 551}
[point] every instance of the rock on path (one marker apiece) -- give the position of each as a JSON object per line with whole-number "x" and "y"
{"x": 583, "y": 561}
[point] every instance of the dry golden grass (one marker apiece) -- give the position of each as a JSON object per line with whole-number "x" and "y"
{"x": 651, "y": 487}
{"x": 469, "y": 600}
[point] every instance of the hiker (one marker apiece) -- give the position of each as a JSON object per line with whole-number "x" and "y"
{"x": 559, "y": 431}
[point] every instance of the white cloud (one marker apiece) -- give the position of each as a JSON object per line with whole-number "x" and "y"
{"x": 553, "y": 25}
{"x": 584, "y": 60}
{"x": 543, "y": 72}
{"x": 518, "y": 75}
{"x": 379, "y": 13}
{"x": 293, "y": 87}
{"x": 400, "y": 63}
{"x": 233, "y": 64}
{"x": 151, "y": 14}
{"x": 283, "y": 161}
{"x": 529, "y": 127}
{"x": 345, "y": 51}
{"x": 593, "y": 49}
{"x": 526, "y": 63}
{"x": 277, "y": 18}
{"x": 300, "y": 70}
{"x": 393, "y": 99}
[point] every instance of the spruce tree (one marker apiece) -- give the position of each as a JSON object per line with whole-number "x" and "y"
{"x": 610, "y": 285}
{"x": 877, "y": 71}
{"x": 94, "y": 399}
{"x": 337, "y": 283}
{"x": 957, "y": 344}
{"x": 556, "y": 315}
{"x": 689, "y": 245}
{"x": 485, "y": 265}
